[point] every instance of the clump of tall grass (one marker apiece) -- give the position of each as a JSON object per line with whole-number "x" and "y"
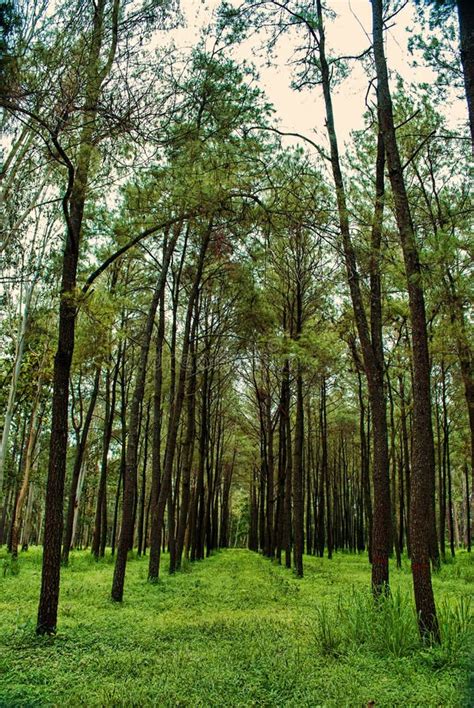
{"x": 387, "y": 625}
{"x": 11, "y": 566}
{"x": 456, "y": 626}
{"x": 328, "y": 637}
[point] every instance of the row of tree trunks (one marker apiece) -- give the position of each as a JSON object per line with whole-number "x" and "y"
{"x": 131, "y": 459}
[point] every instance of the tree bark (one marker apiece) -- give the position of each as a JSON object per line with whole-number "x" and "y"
{"x": 174, "y": 418}
{"x": 466, "y": 36}
{"x": 130, "y": 471}
{"x": 141, "y": 513}
{"x": 371, "y": 345}
{"x": 73, "y": 207}
{"x": 298, "y": 504}
{"x": 188, "y": 448}
{"x": 423, "y": 459}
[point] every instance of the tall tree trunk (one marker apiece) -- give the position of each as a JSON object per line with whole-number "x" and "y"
{"x": 203, "y": 438}
{"x": 289, "y": 469}
{"x": 468, "y": 509}
{"x": 188, "y": 448}
{"x": 298, "y": 509}
{"x": 126, "y": 530}
{"x": 447, "y": 459}
{"x": 19, "y": 349}
{"x": 157, "y": 418}
{"x": 100, "y": 524}
{"x": 464, "y": 352}
{"x": 406, "y": 455}
{"x": 371, "y": 346}
{"x": 73, "y": 207}
{"x": 116, "y": 504}
{"x": 270, "y": 464}
{"x": 298, "y": 504}
{"x": 393, "y": 460}
{"x": 75, "y": 519}
{"x": 282, "y": 467}
{"x": 141, "y": 513}
{"x": 253, "y": 531}
{"x": 325, "y": 509}
{"x": 466, "y": 35}
{"x": 423, "y": 459}
{"x": 28, "y": 457}
{"x": 174, "y": 419}
{"x": 225, "y": 508}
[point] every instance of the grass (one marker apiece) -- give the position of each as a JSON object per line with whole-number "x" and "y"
{"x": 234, "y": 630}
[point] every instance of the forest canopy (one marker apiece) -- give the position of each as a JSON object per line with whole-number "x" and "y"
{"x": 222, "y": 328}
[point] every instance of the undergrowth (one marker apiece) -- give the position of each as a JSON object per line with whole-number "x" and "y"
{"x": 233, "y": 630}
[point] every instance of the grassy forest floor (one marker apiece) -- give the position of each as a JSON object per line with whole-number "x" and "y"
{"x": 233, "y": 630}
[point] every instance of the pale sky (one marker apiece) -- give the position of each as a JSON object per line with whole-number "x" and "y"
{"x": 349, "y": 34}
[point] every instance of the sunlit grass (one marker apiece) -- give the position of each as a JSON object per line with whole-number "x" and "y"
{"x": 234, "y": 630}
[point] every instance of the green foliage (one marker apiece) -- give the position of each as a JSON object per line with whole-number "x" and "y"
{"x": 235, "y": 629}
{"x": 457, "y": 630}
{"x": 438, "y": 41}
{"x": 10, "y": 566}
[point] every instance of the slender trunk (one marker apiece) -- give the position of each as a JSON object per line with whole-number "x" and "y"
{"x": 253, "y": 531}
{"x": 141, "y": 514}
{"x": 20, "y": 346}
{"x": 195, "y": 507}
{"x": 30, "y": 446}
{"x": 116, "y": 505}
{"x": 78, "y": 494}
{"x": 325, "y": 513}
{"x": 174, "y": 418}
{"x": 447, "y": 460}
{"x": 130, "y": 470}
{"x": 73, "y": 206}
{"x": 26, "y": 530}
{"x": 188, "y": 450}
{"x": 298, "y": 508}
{"x": 406, "y": 455}
{"x": 371, "y": 345}
{"x": 157, "y": 420}
{"x": 270, "y": 464}
{"x": 225, "y": 507}
{"x": 282, "y": 468}
{"x": 308, "y": 497}
{"x": 298, "y": 504}
{"x": 289, "y": 468}
{"x": 468, "y": 509}
{"x": 78, "y": 465}
{"x": 423, "y": 461}
{"x": 9, "y": 494}
{"x": 393, "y": 460}
{"x": 464, "y": 351}
{"x": 100, "y": 524}
{"x": 466, "y": 36}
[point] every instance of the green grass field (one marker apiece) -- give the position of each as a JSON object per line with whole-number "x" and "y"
{"x": 233, "y": 630}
